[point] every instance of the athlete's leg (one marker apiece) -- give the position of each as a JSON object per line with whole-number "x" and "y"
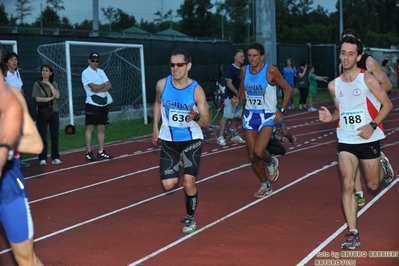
{"x": 24, "y": 253}
{"x": 348, "y": 165}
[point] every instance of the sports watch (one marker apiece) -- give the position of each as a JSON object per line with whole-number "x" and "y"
{"x": 282, "y": 110}
{"x": 373, "y": 125}
{"x": 10, "y": 151}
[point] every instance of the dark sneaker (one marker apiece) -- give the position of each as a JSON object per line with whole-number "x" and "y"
{"x": 352, "y": 241}
{"x": 387, "y": 168}
{"x": 189, "y": 225}
{"x": 90, "y": 157}
{"x": 24, "y": 164}
{"x": 104, "y": 156}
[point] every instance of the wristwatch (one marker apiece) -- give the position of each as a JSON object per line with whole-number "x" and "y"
{"x": 10, "y": 151}
{"x": 282, "y": 110}
{"x": 373, "y": 125}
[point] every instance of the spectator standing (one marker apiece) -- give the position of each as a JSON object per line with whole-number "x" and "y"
{"x": 181, "y": 104}
{"x": 13, "y": 78}
{"x": 96, "y": 84}
{"x": 46, "y": 92}
{"x": 313, "y": 78}
{"x": 303, "y": 84}
{"x": 289, "y": 72}
{"x": 234, "y": 113}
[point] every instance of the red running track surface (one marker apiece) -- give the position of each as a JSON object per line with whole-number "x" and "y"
{"x": 116, "y": 213}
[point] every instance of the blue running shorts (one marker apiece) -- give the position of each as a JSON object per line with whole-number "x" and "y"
{"x": 17, "y": 220}
{"x": 257, "y": 121}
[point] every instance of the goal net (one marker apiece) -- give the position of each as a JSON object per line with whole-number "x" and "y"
{"x": 7, "y": 46}
{"x": 122, "y": 63}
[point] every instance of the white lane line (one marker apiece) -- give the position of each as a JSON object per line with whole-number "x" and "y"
{"x": 344, "y": 226}
{"x": 126, "y": 207}
{"x": 230, "y": 215}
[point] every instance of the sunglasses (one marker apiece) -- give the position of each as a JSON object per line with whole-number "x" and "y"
{"x": 177, "y": 64}
{"x": 95, "y": 61}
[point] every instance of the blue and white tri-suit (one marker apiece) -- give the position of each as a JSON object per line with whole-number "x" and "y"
{"x": 260, "y": 107}
{"x": 175, "y": 110}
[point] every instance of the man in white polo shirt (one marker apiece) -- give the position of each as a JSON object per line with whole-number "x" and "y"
{"x": 96, "y": 84}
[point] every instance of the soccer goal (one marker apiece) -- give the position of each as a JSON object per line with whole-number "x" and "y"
{"x": 122, "y": 63}
{"x": 7, "y": 46}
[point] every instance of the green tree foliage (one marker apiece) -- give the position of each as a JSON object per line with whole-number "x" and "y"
{"x": 109, "y": 14}
{"x": 49, "y": 19}
{"x": 23, "y": 9}
{"x": 197, "y": 18}
{"x": 57, "y": 4}
{"x": 123, "y": 20}
{"x": 297, "y": 21}
{"x": 4, "y": 21}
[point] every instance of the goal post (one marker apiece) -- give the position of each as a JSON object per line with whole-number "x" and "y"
{"x": 8, "y": 46}
{"x": 122, "y": 63}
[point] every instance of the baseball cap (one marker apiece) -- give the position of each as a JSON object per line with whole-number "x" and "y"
{"x": 94, "y": 55}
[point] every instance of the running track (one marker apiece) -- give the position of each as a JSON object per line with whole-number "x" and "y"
{"x": 115, "y": 212}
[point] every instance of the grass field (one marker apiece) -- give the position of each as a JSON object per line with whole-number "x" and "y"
{"x": 128, "y": 129}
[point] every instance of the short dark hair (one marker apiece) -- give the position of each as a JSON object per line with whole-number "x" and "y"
{"x": 3, "y": 67}
{"x": 350, "y": 32}
{"x": 237, "y": 51}
{"x": 10, "y": 55}
{"x": 256, "y": 46}
{"x": 187, "y": 56}
{"x": 50, "y": 67}
{"x": 384, "y": 62}
{"x": 352, "y": 40}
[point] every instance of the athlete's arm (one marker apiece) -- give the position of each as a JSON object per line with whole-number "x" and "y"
{"x": 324, "y": 113}
{"x": 374, "y": 68}
{"x": 30, "y": 141}
{"x": 241, "y": 91}
{"x": 274, "y": 76}
{"x": 202, "y": 105}
{"x": 159, "y": 87}
{"x": 10, "y": 120}
{"x": 374, "y": 86}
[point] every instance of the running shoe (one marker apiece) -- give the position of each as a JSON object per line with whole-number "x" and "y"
{"x": 360, "y": 200}
{"x": 104, "y": 156}
{"x": 273, "y": 171}
{"x": 42, "y": 163}
{"x": 352, "y": 241}
{"x": 237, "y": 139}
{"x": 312, "y": 109}
{"x": 90, "y": 157}
{"x": 189, "y": 225}
{"x": 263, "y": 191}
{"x": 221, "y": 141}
{"x": 387, "y": 168}
{"x": 56, "y": 161}
{"x": 24, "y": 164}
